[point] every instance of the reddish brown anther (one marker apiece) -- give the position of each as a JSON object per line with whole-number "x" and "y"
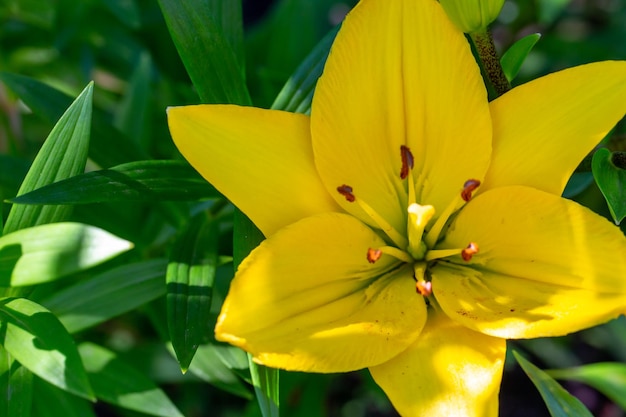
{"x": 346, "y": 191}
{"x": 469, "y": 251}
{"x": 424, "y": 288}
{"x": 468, "y": 189}
{"x": 407, "y": 161}
{"x": 373, "y": 255}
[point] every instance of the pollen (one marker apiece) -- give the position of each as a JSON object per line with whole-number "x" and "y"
{"x": 407, "y": 161}
{"x": 373, "y": 255}
{"x": 468, "y": 188}
{"x": 424, "y": 288}
{"x": 346, "y": 191}
{"x": 469, "y": 251}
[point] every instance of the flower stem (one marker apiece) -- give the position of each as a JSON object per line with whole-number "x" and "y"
{"x": 483, "y": 42}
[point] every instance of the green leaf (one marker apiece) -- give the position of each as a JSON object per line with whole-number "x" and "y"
{"x": 297, "y": 94}
{"x": 117, "y": 383}
{"x": 266, "y": 382}
{"x": 150, "y": 181}
{"x": 108, "y": 145}
{"x": 107, "y": 295}
{"x": 62, "y": 155}
{"x": 51, "y": 251}
{"x": 228, "y": 16}
{"x": 560, "y": 403}
{"x": 607, "y": 377}
{"x": 609, "y": 171}
{"x": 190, "y": 277}
{"x": 53, "y": 402}
{"x": 215, "y": 364}
{"x": 515, "y": 56}
{"x": 16, "y": 385}
{"x": 132, "y": 112}
{"x": 38, "y": 340}
{"x": 212, "y": 64}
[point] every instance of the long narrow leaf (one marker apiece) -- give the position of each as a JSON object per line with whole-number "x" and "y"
{"x": 119, "y": 384}
{"x": 62, "y": 155}
{"x": 54, "y": 402}
{"x": 150, "y": 181}
{"x": 217, "y": 365}
{"x": 206, "y": 52}
{"x": 607, "y": 377}
{"x": 51, "y": 251}
{"x": 190, "y": 277}
{"x": 38, "y": 340}
{"x": 108, "y": 147}
{"x": 560, "y": 403}
{"x": 107, "y": 295}
{"x": 16, "y": 387}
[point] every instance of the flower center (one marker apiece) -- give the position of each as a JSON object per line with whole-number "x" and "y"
{"x": 424, "y": 230}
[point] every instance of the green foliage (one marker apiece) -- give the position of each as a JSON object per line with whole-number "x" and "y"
{"x": 108, "y": 179}
{"x": 609, "y": 171}
{"x": 560, "y": 403}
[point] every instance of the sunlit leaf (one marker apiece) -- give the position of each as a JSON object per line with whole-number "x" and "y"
{"x": 107, "y": 295}
{"x": 560, "y": 403}
{"x": 51, "y": 251}
{"x": 38, "y": 341}
{"x": 609, "y": 171}
{"x": 62, "y": 155}
{"x": 150, "y": 181}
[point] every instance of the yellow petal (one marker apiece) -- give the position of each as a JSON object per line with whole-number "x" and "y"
{"x": 543, "y": 129}
{"x": 448, "y": 371}
{"x": 307, "y": 299}
{"x": 260, "y": 159}
{"x": 400, "y": 73}
{"x": 546, "y": 266}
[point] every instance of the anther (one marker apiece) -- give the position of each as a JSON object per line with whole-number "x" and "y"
{"x": 346, "y": 191}
{"x": 424, "y": 288}
{"x": 468, "y": 188}
{"x": 469, "y": 251}
{"x": 373, "y": 255}
{"x": 407, "y": 161}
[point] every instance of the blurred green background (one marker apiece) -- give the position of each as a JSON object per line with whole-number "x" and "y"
{"x": 125, "y": 47}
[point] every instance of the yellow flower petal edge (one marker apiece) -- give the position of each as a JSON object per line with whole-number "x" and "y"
{"x": 307, "y": 299}
{"x": 449, "y": 370}
{"x": 400, "y": 73}
{"x": 546, "y": 266}
{"x": 544, "y": 128}
{"x": 260, "y": 159}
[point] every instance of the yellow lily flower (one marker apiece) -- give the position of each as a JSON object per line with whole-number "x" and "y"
{"x": 412, "y": 226}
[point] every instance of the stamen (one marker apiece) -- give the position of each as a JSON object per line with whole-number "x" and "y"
{"x": 441, "y": 253}
{"x": 468, "y": 189}
{"x": 466, "y": 195}
{"x": 407, "y": 161}
{"x": 374, "y": 255}
{"x": 397, "y": 238}
{"x": 424, "y": 288}
{"x": 469, "y": 251}
{"x": 346, "y": 191}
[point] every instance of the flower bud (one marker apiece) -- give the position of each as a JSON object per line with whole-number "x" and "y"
{"x": 472, "y": 16}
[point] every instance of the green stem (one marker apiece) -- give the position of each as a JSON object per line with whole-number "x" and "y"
{"x": 486, "y": 49}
